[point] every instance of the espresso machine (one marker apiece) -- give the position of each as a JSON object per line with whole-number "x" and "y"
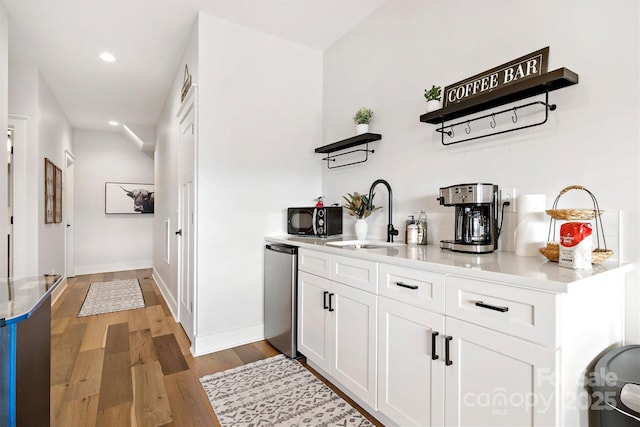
{"x": 476, "y": 211}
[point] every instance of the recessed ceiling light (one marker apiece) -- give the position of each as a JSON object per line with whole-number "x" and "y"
{"x": 113, "y": 123}
{"x": 107, "y": 57}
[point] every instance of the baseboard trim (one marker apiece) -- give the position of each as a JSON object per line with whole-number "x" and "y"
{"x": 227, "y": 339}
{"x": 57, "y": 292}
{"x": 106, "y": 268}
{"x": 168, "y": 298}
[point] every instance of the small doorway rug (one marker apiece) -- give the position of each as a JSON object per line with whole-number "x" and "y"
{"x": 277, "y": 391}
{"x": 108, "y": 297}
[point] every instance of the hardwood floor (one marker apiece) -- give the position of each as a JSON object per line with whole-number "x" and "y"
{"x": 132, "y": 368}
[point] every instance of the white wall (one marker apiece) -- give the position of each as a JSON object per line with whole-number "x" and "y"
{"x": 111, "y": 242}
{"x": 54, "y": 138}
{"x": 260, "y": 101}
{"x": 4, "y": 99}
{"x": 48, "y": 135}
{"x": 23, "y": 106}
{"x": 408, "y": 45}
{"x": 260, "y": 118}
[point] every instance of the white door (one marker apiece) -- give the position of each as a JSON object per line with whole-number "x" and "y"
{"x": 186, "y": 221}
{"x": 497, "y": 380}
{"x": 410, "y": 364}
{"x": 313, "y": 320}
{"x": 355, "y": 341}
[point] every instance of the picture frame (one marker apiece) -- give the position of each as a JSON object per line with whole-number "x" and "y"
{"x": 49, "y": 188}
{"x": 128, "y": 198}
{"x": 57, "y": 195}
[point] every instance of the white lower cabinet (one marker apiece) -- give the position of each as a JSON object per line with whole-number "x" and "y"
{"x": 494, "y": 379}
{"x": 314, "y": 322}
{"x": 337, "y": 331}
{"x": 423, "y": 348}
{"x": 410, "y": 368}
{"x": 435, "y": 372}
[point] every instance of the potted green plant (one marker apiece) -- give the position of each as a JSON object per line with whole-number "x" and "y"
{"x": 358, "y": 205}
{"x": 362, "y": 120}
{"x": 433, "y": 98}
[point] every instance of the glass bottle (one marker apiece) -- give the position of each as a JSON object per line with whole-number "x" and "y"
{"x": 422, "y": 227}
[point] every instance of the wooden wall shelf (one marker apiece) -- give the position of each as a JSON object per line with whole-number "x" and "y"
{"x": 349, "y": 142}
{"x": 550, "y": 81}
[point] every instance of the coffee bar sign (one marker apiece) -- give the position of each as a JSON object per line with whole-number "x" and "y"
{"x": 525, "y": 67}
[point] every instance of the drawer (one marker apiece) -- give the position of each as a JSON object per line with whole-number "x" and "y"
{"x": 318, "y": 263}
{"x": 420, "y": 288}
{"x": 524, "y": 313}
{"x": 355, "y": 272}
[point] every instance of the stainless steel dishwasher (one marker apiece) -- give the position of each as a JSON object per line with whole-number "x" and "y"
{"x": 280, "y": 297}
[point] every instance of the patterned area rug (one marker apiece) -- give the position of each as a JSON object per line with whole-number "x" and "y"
{"x": 277, "y": 392}
{"x": 107, "y": 297}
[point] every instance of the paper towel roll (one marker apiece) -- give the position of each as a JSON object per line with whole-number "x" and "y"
{"x": 531, "y": 224}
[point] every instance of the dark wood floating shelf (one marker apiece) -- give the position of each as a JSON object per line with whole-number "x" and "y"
{"x": 349, "y": 142}
{"x": 557, "y": 79}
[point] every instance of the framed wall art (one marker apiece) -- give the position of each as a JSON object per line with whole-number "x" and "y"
{"x": 128, "y": 198}
{"x": 49, "y": 189}
{"x": 57, "y": 195}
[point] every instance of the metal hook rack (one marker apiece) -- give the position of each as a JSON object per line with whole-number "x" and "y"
{"x": 358, "y": 140}
{"x": 332, "y": 158}
{"x": 448, "y": 129}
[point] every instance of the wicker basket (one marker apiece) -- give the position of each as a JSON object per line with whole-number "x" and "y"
{"x": 573, "y": 214}
{"x": 552, "y": 250}
{"x": 552, "y": 253}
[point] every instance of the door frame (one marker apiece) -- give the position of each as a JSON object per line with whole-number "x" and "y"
{"x": 68, "y": 201}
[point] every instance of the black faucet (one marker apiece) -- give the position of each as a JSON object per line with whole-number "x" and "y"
{"x": 391, "y": 231}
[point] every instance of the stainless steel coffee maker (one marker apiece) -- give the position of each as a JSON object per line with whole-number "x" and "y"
{"x": 476, "y": 225}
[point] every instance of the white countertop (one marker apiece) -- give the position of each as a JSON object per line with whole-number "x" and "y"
{"x": 532, "y": 272}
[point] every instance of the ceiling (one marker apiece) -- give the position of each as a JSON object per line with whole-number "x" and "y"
{"x": 65, "y": 37}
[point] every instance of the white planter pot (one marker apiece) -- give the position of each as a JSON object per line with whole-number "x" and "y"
{"x": 361, "y": 229}
{"x": 362, "y": 128}
{"x": 433, "y": 105}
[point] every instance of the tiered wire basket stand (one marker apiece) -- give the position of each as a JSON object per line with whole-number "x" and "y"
{"x": 552, "y": 250}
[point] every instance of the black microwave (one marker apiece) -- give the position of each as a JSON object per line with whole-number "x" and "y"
{"x": 315, "y": 221}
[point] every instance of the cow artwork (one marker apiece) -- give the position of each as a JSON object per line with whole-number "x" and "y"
{"x": 142, "y": 199}
{"x": 129, "y": 198}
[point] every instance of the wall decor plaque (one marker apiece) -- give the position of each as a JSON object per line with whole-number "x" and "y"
{"x": 49, "y": 189}
{"x": 57, "y": 195}
{"x": 186, "y": 83}
{"x": 525, "y": 67}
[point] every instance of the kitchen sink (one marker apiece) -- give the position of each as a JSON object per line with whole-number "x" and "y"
{"x": 364, "y": 244}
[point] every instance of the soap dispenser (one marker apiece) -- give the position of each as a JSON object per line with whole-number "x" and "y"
{"x": 412, "y": 231}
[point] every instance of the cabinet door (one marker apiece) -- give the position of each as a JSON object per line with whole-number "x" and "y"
{"x": 355, "y": 341}
{"x": 313, "y": 321}
{"x": 498, "y": 380}
{"x": 410, "y": 382}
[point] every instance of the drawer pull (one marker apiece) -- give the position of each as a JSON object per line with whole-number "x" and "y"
{"x": 492, "y": 307}
{"x": 447, "y": 343}
{"x": 330, "y": 305}
{"x": 434, "y": 356}
{"x": 404, "y": 285}
{"x": 324, "y": 297}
